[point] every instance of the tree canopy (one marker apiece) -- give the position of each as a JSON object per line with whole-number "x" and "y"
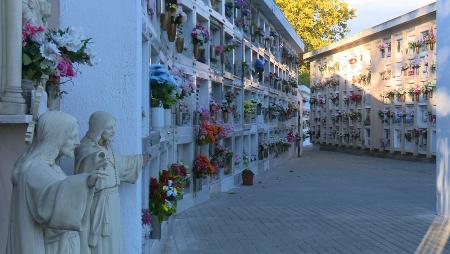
{"x": 318, "y": 22}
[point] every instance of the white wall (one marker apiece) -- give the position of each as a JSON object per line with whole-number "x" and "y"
{"x": 443, "y": 108}
{"x": 114, "y": 85}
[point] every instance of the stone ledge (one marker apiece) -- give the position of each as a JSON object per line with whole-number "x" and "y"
{"x": 377, "y": 153}
{"x": 15, "y": 119}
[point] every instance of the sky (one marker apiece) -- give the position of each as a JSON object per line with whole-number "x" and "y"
{"x": 373, "y": 12}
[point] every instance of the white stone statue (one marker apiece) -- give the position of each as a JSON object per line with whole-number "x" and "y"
{"x": 48, "y": 207}
{"x": 104, "y": 234}
{"x": 36, "y": 12}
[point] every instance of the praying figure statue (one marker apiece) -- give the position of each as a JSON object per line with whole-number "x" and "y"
{"x": 102, "y": 234}
{"x": 47, "y": 206}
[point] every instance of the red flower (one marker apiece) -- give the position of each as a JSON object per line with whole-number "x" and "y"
{"x": 163, "y": 197}
{"x": 164, "y": 177}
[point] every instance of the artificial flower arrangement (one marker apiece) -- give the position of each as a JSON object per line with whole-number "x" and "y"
{"x": 382, "y": 46}
{"x": 163, "y": 87}
{"x": 259, "y": 65}
{"x": 234, "y": 44}
{"x": 200, "y": 35}
{"x": 243, "y": 6}
{"x": 180, "y": 175}
{"x": 249, "y": 107}
{"x": 202, "y": 167}
{"x": 290, "y": 136}
{"x": 354, "y": 97}
{"x": 229, "y": 6}
{"x": 185, "y": 83}
{"x": 214, "y": 107}
{"x": 414, "y": 92}
{"x": 400, "y": 93}
{"x": 428, "y": 88}
{"x": 388, "y": 93}
{"x": 222, "y": 157}
{"x": 163, "y": 196}
{"x": 415, "y": 45}
{"x": 218, "y": 50}
{"x": 209, "y": 133}
{"x": 245, "y": 159}
{"x": 408, "y": 136}
{"x": 171, "y": 5}
{"x": 430, "y": 39}
{"x": 237, "y": 160}
{"x": 53, "y": 53}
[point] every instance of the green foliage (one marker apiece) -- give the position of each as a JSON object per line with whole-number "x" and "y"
{"x": 318, "y": 23}
{"x": 163, "y": 93}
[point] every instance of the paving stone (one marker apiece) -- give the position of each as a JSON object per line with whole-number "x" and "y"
{"x": 340, "y": 204}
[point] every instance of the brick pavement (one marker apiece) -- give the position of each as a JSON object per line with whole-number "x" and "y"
{"x": 324, "y": 202}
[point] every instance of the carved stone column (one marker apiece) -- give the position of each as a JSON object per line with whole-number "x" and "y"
{"x": 11, "y": 99}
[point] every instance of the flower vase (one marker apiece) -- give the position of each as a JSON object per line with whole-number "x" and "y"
{"x": 167, "y": 117}
{"x": 227, "y": 170}
{"x": 197, "y": 184}
{"x": 417, "y": 50}
{"x": 164, "y": 21}
{"x": 27, "y": 87}
{"x": 156, "y": 228}
{"x": 158, "y": 117}
{"x": 198, "y": 51}
{"x": 260, "y": 76}
{"x": 54, "y": 96}
{"x": 179, "y": 44}
{"x": 225, "y": 116}
{"x": 171, "y": 31}
{"x": 431, "y": 46}
{"x": 42, "y": 107}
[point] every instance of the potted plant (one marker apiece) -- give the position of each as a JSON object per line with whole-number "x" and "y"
{"x": 200, "y": 36}
{"x": 247, "y": 177}
{"x": 163, "y": 95}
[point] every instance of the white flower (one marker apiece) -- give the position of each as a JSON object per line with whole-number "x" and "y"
{"x": 70, "y": 39}
{"x": 165, "y": 188}
{"x": 50, "y": 51}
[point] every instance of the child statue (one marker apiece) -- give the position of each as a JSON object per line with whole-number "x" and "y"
{"x": 103, "y": 234}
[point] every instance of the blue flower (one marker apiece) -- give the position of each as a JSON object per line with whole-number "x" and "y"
{"x": 160, "y": 75}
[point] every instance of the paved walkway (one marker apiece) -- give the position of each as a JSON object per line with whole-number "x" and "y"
{"x": 324, "y": 202}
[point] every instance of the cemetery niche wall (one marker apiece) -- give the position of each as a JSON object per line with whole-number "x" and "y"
{"x": 375, "y": 90}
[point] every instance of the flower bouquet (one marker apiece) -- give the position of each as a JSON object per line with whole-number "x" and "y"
{"x": 202, "y": 167}
{"x": 200, "y": 36}
{"x": 185, "y": 83}
{"x": 180, "y": 175}
{"x": 163, "y": 87}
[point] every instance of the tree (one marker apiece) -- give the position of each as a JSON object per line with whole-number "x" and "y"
{"x": 318, "y": 23}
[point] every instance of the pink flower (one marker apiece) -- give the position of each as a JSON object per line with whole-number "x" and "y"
{"x": 65, "y": 67}
{"x": 31, "y": 30}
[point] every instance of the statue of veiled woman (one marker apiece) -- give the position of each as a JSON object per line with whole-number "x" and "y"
{"x": 48, "y": 207}
{"x": 104, "y": 233}
{"x": 36, "y": 12}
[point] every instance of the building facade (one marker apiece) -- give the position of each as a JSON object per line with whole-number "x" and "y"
{"x": 374, "y": 90}
{"x": 247, "y": 66}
